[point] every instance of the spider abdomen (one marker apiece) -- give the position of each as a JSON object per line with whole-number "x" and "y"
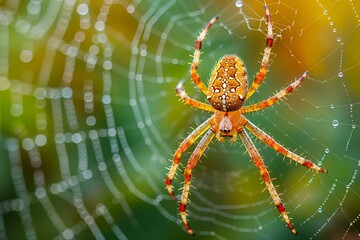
{"x": 228, "y": 84}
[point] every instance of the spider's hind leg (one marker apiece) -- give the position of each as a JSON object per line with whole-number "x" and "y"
{"x": 194, "y": 158}
{"x": 259, "y": 163}
{"x": 281, "y": 149}
{"x": 182, "y": 148}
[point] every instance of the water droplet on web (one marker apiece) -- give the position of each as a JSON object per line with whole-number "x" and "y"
{"x": 320, "y": 210}
{"x": 332, "y": 106}
{"x": 239, "y": 4}
{"x": 4, "y": 83}
{"x": 325, "y": 12}
{"x": 22, "y": 26}
{"x": 26, "y": 55}
{"x": 338, "y": 39}
{"x": 82, "y": 9}
{"x": 340, "y": 74}
{"x": 130, "y": 9}
{"x": 335, "y": 123}
{"x": 68, "y": 234}
{"x": 353, "y": 126}
{"x": 40, "y": 140}
{"x": 33, "y": 8}
{"x": 327, "y": 150}
{"x": 91, "y": 120}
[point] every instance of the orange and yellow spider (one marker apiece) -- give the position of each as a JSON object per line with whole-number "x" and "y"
{"x": 227, "y": 92}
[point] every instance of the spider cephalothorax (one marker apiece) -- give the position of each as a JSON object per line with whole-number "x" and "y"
{"x": 227, "y": 92}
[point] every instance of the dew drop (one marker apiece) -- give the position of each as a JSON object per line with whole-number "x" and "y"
{"x": 320, "y": 210}
{"x": 325, "y": 12}
{"x": 340, "y": 74}
{"x": 353, "y": 126}
{"x": 4, "y": 83}
{"x": 327, "y": 150}
{"x": 239, "y": 4}
{"x": 68, "y": 234}
{"x": 82, "y": 9}
{"x": 335, "y": 123}
{"x": 338, "y": 39}
{"x": 26, "y": 56}
{"x": 130, "y": 9}
{"x": 332, "y": 106}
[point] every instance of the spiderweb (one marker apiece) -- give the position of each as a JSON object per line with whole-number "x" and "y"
{"x": 89, "y": 119}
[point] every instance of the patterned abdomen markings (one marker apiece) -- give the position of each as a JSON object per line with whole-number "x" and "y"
{"x": 228, "y": 84}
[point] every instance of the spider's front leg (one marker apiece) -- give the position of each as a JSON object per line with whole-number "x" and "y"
{"x": 194, "y": 158}
{"x": 259, "y": 163}
{"x": 194, "y": 66}
{"x": 270, "y": 101}
{"x": 259, "y": 77}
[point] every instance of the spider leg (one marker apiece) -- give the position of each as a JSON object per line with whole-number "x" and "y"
{"x": 194, "y": 66}
{"x": 192, "y": 102}
{"x": 259, "y": 163}
{"x": 281, "y": 149}
{"x": 182, "y": 148}
{"x": 194, "y": 158}
{"x": 259, "y": 77}
{"x": 270, "y": 101}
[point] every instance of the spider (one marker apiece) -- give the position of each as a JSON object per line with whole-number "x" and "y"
{"x": 227, "y": 92}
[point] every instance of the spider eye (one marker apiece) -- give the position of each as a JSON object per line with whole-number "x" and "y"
{"x": 225, "y": 130}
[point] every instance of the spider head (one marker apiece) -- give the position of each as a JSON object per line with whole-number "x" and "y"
{"x": 228, "y": 84}
{"x": 225, "y": 125}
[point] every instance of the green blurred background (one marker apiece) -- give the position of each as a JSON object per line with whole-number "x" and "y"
{"x": 89, "y": 119}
